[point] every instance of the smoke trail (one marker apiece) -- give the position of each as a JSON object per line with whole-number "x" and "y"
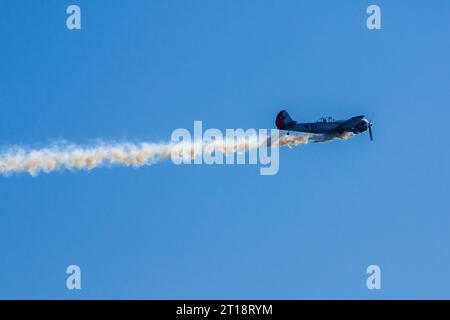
{"x": 74, "y": 157}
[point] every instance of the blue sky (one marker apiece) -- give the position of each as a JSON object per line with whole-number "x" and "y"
{"x": 138, "y": 70}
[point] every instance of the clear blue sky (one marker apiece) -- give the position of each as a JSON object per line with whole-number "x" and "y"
{"x": 139, "y": 69}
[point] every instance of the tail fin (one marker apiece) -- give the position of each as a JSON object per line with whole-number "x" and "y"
{"x": 283, "y": 119}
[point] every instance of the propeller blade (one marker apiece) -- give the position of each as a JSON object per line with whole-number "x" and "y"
{"x": 370, "y": 131}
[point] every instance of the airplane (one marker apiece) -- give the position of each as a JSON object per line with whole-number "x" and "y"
{"x": 328, "y": 127}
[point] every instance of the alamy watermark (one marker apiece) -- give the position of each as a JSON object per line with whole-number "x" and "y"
{"x": 373, "y": 22}
{"x": 73, "y": 21}
{"x": 73, "y": 281}
{"x": 374, "y": 280}
{"x": 235, "y": 146}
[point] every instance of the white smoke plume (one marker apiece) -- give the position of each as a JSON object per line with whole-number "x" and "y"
{"x": 74, "y": 157}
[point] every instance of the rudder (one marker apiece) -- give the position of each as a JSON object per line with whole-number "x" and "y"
{"x": 282, "y": 119}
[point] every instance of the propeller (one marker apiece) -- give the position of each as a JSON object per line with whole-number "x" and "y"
{"x": 370, "y": 130}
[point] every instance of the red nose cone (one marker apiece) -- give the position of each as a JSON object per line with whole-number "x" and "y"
{"x": 363, "y": 125}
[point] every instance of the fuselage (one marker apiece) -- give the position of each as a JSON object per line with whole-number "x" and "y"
{"x": 356, "y": 125}
{"x": 315, "y": 127}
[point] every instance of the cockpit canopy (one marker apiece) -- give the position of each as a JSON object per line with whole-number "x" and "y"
{"x": 326, "y": 119}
